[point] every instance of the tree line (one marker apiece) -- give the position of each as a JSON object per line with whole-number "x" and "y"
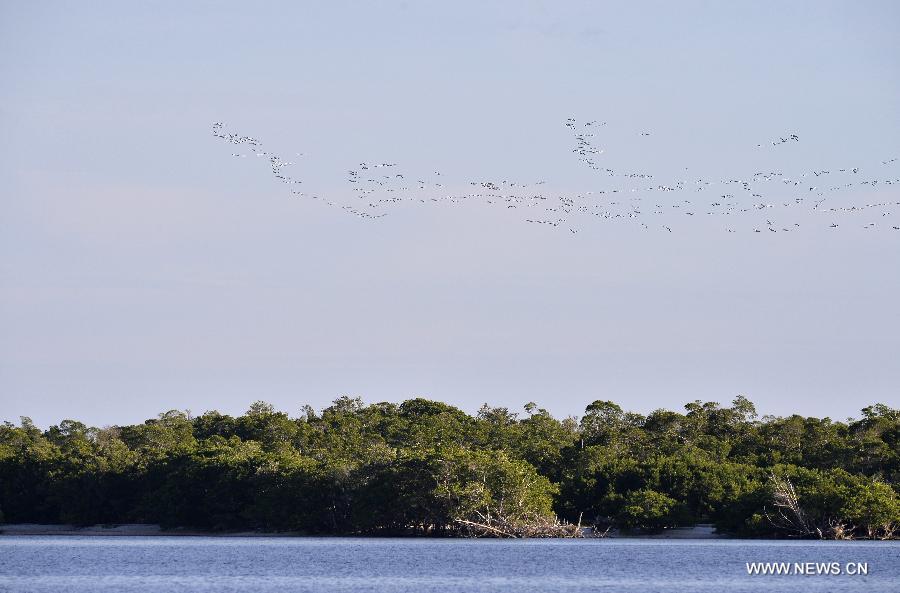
{"x": 423, "y": 467}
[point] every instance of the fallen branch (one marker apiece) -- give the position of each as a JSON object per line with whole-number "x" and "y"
{"x": 494, "y": 525}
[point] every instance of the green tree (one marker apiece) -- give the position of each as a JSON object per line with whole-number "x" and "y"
{"x": 647, "y": 509}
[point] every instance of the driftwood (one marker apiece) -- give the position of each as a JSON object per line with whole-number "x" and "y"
{"x": 888, "y": 531}
{"x": 840, "y": 529}
{"x": 535, "y": 526}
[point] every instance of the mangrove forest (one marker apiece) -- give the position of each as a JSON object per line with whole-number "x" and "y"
{"x": 423, "y": 467}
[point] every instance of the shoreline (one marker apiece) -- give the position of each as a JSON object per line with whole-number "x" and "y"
{"x": 127, "y": 530}
{"x": 700, "y": 531}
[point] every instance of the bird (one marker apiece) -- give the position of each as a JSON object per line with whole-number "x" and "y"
{"x": 372, "y": 194}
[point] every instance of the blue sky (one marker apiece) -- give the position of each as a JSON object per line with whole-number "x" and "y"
{"x": 143, "y": 268}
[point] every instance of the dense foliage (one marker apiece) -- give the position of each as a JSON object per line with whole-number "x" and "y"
{"x": 426, "y": 467}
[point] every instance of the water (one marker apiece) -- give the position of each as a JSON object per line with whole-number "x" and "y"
{"x": 260, "y": 564}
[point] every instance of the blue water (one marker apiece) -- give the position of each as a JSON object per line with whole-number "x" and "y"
{"x": 76, "y": 564}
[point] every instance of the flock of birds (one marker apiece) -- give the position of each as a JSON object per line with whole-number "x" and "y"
{"x": 769, "y": 201}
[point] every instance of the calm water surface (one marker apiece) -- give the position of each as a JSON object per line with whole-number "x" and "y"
{"x": 169, "y": 564}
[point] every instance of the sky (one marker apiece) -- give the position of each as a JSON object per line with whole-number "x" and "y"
{"x": 143, "y": 268}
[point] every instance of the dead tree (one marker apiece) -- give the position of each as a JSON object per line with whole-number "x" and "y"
{"x": 789, "y": 515}
{"x": 529, "y": 526}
